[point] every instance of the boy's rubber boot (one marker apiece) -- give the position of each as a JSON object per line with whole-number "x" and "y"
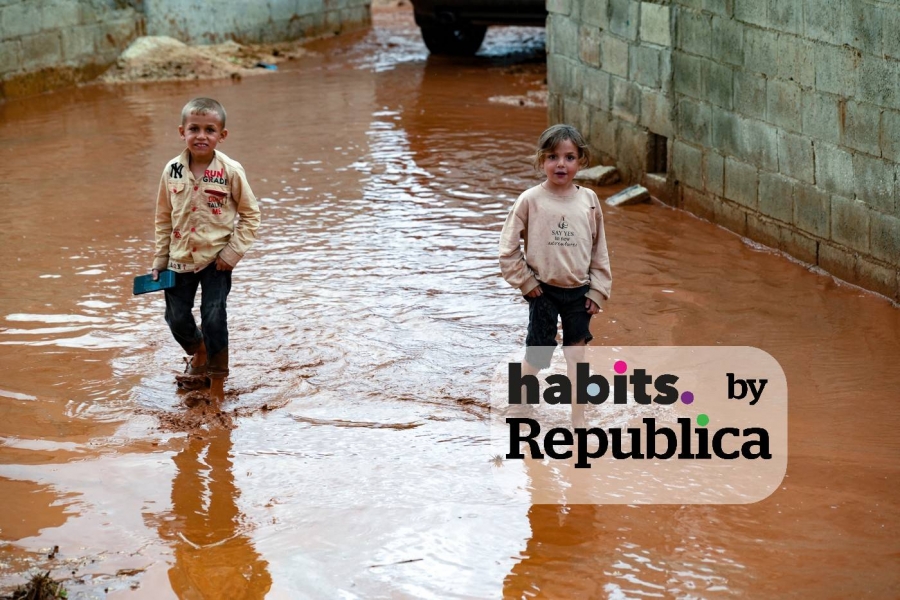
{"x": 217, "y": 371}
{"x": 194, "y": 376}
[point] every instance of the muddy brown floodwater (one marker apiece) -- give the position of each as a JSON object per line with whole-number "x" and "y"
{"x": 365, "y": 327}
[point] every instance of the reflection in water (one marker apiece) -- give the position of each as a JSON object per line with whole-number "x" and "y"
{"x": 214, "y": 556}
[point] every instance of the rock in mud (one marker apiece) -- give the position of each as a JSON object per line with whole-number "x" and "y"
{"x": 599, "y": 175}
{"x": 631, "y": 195}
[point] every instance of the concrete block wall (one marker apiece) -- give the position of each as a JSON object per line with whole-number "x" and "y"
{"x": 254, "y": 21}
{"x": 781, "y": 117}
{"x": 45, "y": 44}
{"x": 50, "y": 43}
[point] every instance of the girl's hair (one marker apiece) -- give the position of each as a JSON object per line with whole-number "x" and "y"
{"x": 557, "y": 134}
{"x": 202, "y": 106}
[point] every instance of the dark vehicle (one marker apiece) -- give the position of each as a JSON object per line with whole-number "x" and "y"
{"x": 457, "y": 27}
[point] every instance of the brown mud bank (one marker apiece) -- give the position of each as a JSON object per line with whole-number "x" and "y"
{"x": 371, "y": 314}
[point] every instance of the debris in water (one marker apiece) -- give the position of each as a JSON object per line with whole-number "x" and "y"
{"x": 41, "y": 587}
{"x": 632, "y": 195}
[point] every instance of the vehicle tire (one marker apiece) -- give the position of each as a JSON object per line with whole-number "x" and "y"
{"x": 453, "y": 40}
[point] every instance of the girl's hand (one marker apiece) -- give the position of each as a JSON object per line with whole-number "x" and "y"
{"x": 591, "y": 306}
{"x": 535, "y": 292}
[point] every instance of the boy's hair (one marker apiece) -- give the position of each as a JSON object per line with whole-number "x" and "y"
{"x": 557, "y": 134}
{"x": 202, "y": 106}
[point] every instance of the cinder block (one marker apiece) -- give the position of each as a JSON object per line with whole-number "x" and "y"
{"x": 281, "y": 10}
{"x": 726, "y": 131}
{"x": 699, "y": 203}
{"x": 589, "y": 46}
{"x": 776, "y": 197}
{"x": 79, "y": 42}
{"x": 596, "y": 87}
{"x": 878, "y": 278}
{"x": 879, "y": 81}
{"x": 689, "y": 73}
{"x": 786, "y": 16}
{"x": 839, "y": 261}
{"x": 754, "y": 12}
{"x": 761, "y": 51}
{"x": 626, "y": 100}
{"x": 645, "y": 66}
{"x": 10, "y": 57}
{"x": 850, "y": 223}
{"x": 732, "y": 217}
{"x": 576, "y": 113}
{"x": 655, "y": 113}
{"x": 594, "y": 13}
{"x": 861, "y": 25}
{"x": 603, "y": 133}
{"x": 795, "y": 157}
{"x": 834, "y": 170}
{"x": 563, "y": 35}
{"x": 890, "y": 135}
{"x": 783, "y": 103}
{"x": 60, "y": 14}
{"x": 655, "y": 24}
{"x": 821, "y": 117}
{"x": 750, "y": 94}
{"x": 560, "y": 7}
{"x": 766, "y": 231}
{"x": 822, "y": 20}
{"x": 693, "y": 121}
{"x": 741, "y": 183}
{"x": 889, "y": 30}
{"x": 861, "y": 126}
{"x": 41, "y": 50}
{"x": 759, "y": 144}
{"x": 812, "y": 210}
{"x": 614, "y": 55}
{"x": 728, "y": 41}
{"x": 719, "y": 84}
{"x": 714, "y": 173}
{"x": 796, "y": 60}
{"x": 885, "y": 238}
{"x": 635, "y": 194}
{"x": 18, "y": 20}
{"x": 837, "y": 70}
{"x": 693, "y": 33}
{"x": 631, "y": 141}
{"x": 876, "y": 182}
{"x": 554, "y": 108}
{"x": 623, "y": 18}
{"x": 723, "y": 8}
{"x": 687, "y": 164}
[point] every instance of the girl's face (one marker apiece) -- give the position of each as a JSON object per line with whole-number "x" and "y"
{"x": 560, "y": 166}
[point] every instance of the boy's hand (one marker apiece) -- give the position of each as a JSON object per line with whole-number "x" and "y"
{"x": 535, "y": 292}
{"x": 155, "y": 273}
{"x": 221, "y": 265}
{"x": 591, "y": 306}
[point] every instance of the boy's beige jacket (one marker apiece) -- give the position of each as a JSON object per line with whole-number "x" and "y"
{"x": 195, "y": 218}
{"x": 565, "y": 244}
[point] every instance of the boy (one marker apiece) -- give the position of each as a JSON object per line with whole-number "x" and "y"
{"x": 200, "y": 194}
{"x": 564, "y": 271}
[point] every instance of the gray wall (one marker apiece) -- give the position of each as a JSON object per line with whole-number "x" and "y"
{"x": 46, "y": 44}
{"x": 782, "y": 117}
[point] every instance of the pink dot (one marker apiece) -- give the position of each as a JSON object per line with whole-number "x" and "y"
{"x": 687, "y": 397}
{"x": 620, "y": 366}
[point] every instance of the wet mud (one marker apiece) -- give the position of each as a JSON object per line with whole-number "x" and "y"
{"x": 351, "y": 455}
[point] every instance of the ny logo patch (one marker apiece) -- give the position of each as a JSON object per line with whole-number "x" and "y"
{"x": 175, "y": 170}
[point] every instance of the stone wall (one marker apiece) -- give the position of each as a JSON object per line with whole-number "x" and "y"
{"x": 779, "y": 119}
{"x": 45, "y": 44}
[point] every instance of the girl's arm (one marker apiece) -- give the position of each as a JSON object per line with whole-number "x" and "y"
{"x": 512, "y": 260}
{"x": 600, "y": 275}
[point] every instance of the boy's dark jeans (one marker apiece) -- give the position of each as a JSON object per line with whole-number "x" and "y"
{"x": 213, "y": 315}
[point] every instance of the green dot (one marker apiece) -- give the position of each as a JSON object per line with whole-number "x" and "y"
{"x": 702, "y": 420}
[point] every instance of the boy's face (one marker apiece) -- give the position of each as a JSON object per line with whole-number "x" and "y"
{"x": 202, "y": 133}
{"x": 561, "y": 165}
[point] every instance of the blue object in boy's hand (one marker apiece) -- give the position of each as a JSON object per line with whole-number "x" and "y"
{"x": 145, "y": 283}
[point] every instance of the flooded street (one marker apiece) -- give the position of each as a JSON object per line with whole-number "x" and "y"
{"x": 365, "y": 326}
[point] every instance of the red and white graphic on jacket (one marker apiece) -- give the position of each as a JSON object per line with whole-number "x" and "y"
{"x": 215, "y": 199}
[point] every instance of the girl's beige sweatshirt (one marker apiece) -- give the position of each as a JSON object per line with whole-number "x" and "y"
{"x": 565, "y": 244}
